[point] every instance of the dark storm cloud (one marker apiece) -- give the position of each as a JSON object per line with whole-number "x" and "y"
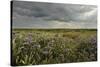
{"x": 51, "y": 15}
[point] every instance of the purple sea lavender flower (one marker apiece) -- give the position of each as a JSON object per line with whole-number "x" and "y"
{"x": 28, "y": 40}
{"x": 93, "y": 40}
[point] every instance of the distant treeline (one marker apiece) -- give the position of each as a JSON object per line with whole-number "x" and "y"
{"x": 60, "y": 30}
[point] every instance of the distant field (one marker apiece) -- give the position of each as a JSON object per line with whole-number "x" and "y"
{"x": 50, "y": 46}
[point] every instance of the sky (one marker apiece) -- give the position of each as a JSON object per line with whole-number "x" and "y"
{"x": 53, "y": 15}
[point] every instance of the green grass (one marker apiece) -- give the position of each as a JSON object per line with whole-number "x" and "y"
{"x": 52, "y": 46}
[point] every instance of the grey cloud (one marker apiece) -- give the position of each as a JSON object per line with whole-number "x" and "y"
{"x": 38, "y": 14}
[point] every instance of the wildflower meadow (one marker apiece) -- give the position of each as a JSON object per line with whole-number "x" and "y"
{"x": 52, "y": 46}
